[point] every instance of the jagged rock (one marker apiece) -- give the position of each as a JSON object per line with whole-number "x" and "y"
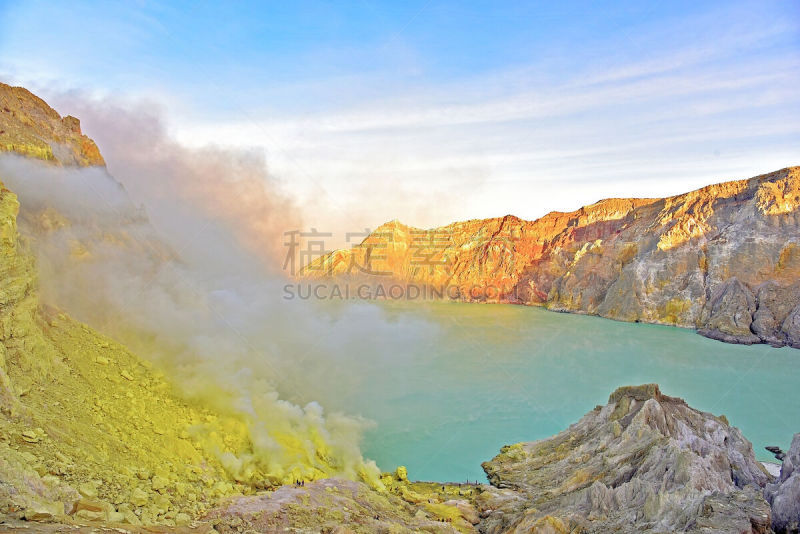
{"x": 791, "y": 327}
{"x": 728, "y": 315}
{"x": 401, "y": 473}
{"x": 325, "y": 506}
{"x": 784, "y": 494}
{"x": 88, "y": 490}
{"x": 645, "y": 462}
{"x": 648, "y": 260}
{"x": 30, "y": 127}
{"x": 44, "y": 512}
{"x": 774, "y": 305}
{"x": 139, "y": 497}
{"x": 766, "y": 327}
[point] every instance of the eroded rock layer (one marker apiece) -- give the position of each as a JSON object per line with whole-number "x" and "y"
{"x": 30, "y": 127}
{"x": 645, "y": 462}
{"x": 724, "y": 259}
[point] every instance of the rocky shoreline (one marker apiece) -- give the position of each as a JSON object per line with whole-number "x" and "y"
{"x": 723, "y": 260}
{"x": 644, "y": 462}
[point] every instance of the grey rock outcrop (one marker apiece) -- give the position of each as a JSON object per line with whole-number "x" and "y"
{"x": 791, "y": 328}
{"x": 784, "y": 494}
{"x": 776, "y": 317}
{"x": 728, "y": 315}
{"x": 645, "y": 462}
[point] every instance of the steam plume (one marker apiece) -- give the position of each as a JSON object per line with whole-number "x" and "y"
{"x": 179, "y": 260}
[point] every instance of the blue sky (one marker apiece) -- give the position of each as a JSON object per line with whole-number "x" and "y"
{"x": 435, "y": 111}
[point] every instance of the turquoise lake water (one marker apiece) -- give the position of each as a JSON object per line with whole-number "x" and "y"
{"x": 500, "y": 374}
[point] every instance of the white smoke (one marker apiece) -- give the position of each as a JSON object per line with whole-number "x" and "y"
{"x": 178, "y": 256}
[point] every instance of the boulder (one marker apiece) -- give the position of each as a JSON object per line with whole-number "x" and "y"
{"x": 784, "y": 494}
{"x": 644, "y": 462}
{"x": 329, "y": 505}
{"x": 774, "y": 304}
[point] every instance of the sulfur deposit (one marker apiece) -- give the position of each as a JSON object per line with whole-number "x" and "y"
{"x": 30, "y": 127}
{"x": 90, "y": 431}
{"x": 724, "y": 259}
{"x": 95, "y": 437}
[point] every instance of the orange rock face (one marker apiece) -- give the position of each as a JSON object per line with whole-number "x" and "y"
{"x": 667, "y": 260}
{"x": 28, "y": 126}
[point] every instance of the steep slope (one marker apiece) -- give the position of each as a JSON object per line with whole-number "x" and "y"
{"x": 724, "y": 259}
{"x": 30, "y": 127}
{"x": 88, "y": 430}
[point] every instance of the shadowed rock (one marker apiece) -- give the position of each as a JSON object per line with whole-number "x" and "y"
{"x": 778, "y": 452}
{"x": 645, "y": 462}
{"x": 784, "y": 494}
{"x": 728, "y": 315}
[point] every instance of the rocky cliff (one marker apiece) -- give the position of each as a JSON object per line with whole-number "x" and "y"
{"x": 724, "y": 259}
{"x": 784, "y": 494}
{"x": 30, "y": 127}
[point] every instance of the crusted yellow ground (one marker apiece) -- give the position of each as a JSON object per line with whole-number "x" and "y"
{"x": 102, "y": 422}
{"x": 90, "y": 430}
{"x": 80, "y": 412}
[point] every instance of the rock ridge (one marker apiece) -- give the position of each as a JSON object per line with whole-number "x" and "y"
{"x": 645, "y": 462}
{"x": 723, "y": 259}
{"x": 30, "y": 127}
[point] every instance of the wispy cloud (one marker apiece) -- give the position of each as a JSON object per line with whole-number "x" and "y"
{"x": 396, "y": 120}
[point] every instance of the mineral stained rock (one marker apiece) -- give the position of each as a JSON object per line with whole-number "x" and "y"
{"x": 784, "y": 494}
{"x": 30, "y": 127}
{"x": 88, "y": 430}
{"x": 724, "y": 259}
{"x": 331, "y": 506}
{"x": 645, "y": 462}
{"x": 79, "y": 441}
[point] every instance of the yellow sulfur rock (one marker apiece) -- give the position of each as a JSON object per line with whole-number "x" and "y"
{"x": 90, "y": 505}
{"x": 44, "y": 512}
{"x": 138, "y": 497}
{"x": 162, "y": 504}
{"x": 402, "y": 473}
{"x": 30, "y": 436}
{"x": 88, "y": 515}
{"x": 159, "y": 483}
{"x": 88, "y": 490}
